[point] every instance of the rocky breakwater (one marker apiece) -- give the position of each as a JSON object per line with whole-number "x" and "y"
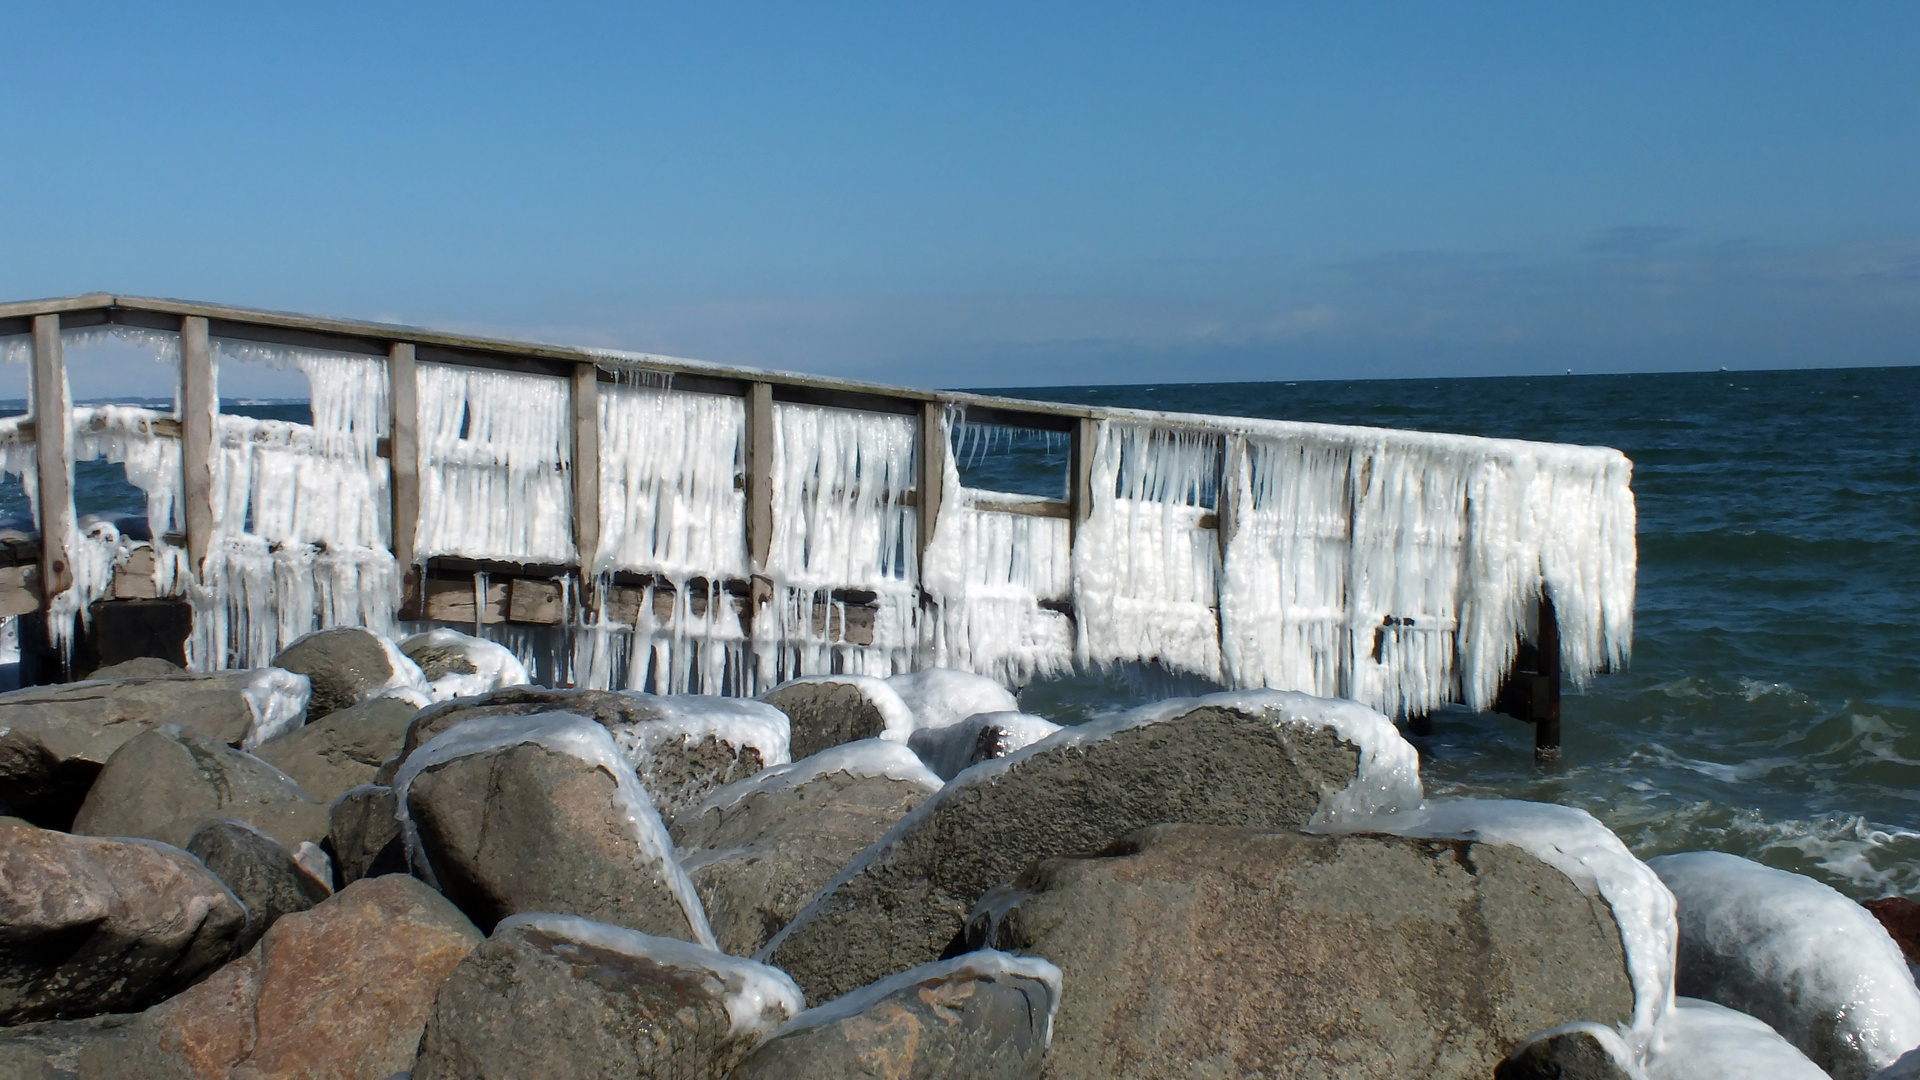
{"x": 531, "y": 882}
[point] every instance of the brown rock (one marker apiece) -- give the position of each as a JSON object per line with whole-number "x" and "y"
{"x": 1901, "y": 917}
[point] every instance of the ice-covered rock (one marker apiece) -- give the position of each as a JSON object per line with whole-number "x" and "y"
{"x": 938, "y": 697}
{"x": 551, "y": 995}
{"x": 1264, "y": 759}
{"x": 1190, "y": 948}
{"x": 140, "y": 667}
{"x": 348, "y": 665}
{"x": 760, "y": 848}
{"x": 1798, "y": 955}
{"x": 259, "y": 870}
{"x": 55, "y": 739}
{"x": 166, "y": 783}
{"x": 984, "y": 1015}
{"x": 363, "y": 833}
{"x": 104, "y": 925}
{"x": 1699, "y": 1040}
{"x": 1582, "y": 1050}
{"x": 824, "y": 711}
{"x": 461, "y": 665}
{"x": 950, "y": 750}
{"x": 342, "y": 749}
{"x": 543, "y": 813}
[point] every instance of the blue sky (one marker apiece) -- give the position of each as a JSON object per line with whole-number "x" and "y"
{"x": 982, "y": 194}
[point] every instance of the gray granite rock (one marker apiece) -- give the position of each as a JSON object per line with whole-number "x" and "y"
{"x": 259, "y": 870}
{"x": 343, "y": 749}
{"x": 166, "y": 783}
{"x": 826, "y": 713}
{"x": 346, "y": 666}
{"x": 363, "y": 835}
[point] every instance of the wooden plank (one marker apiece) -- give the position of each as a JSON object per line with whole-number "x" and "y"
{"x": 1001, "y": 503}
{"x": 19, "y": 590}
{"x": 133, "y": 578}
{"x": 931, "y": 482}
{"x": 759, "y": 476}
{"x": 586, "y": 464}
{"x": 55, "y": 305}
{"x": 52, "y": 416}
{"x": 199, "y": 405}
{"x": 403, "y": 398}
{"x": 452, "y": 600}
{"x": 530, "y": 600}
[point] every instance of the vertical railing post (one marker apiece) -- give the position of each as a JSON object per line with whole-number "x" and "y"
{"x": 199, "y": 406}
{"x": 586, "y": 466}
{"x": 1544, "y": 700}
{"x": 932, "y": 478}
{"x": 759, "y": 498}
{"x": 1226, "y": 522}
{"x": 1080, "y": 447}
{"x": 52, "y": 418}
{"x": 403, "y": 460}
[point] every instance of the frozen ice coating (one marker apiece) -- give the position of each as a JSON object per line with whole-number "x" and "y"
{"x": 949, "y": 750}
{"x": 1793, "y": 952}
{"x": 1699, "y": 1040}
{"x": 750, "y": 990}
{"x": 988, "y": 572}
{"x": 1616, "y": 1047}
{"x": 561, "y": 733}
{"x": 495, "y": 450}
{"x": 938, "y": 697}
{"x": 494, "y": 665}
{"x": 1573, "y": 842}
{"x": 862, "y": 757}
{"x": 1145, "y": 572}
{"x": 278, "y": 701}
{"x": 693, "y": 717}
{"x": 986, "y": 963}
{"x": 669, "y": 504}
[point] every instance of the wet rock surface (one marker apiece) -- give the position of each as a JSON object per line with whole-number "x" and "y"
{"x": 1192, "y": 950}
{"x": 166, "y": 783}
{"x": 91, "y": 925}
{"x": 906, "y": 903}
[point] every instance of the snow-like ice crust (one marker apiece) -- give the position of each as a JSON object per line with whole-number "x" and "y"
{"x": 691, "y": 718}
{"x": 894, "y": 713}
{"x": 495, "y": 453}
{"x": 494, "y": 664}
{"x": 986, "y": 964}
{"x": 278, "y": 701}
{"x": 863, "y": 757}
{"x": 561, "y": 733}
{"x": 1573, "y": 842}
{"x": 748, "y": 988}
{"x": 938, "y": 697}
{"x": 1699, "y": 1040}
{"x": 949, "y": 750}
{"x": 1818, "y": 960}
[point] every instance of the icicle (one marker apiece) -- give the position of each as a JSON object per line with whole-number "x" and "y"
{"x": 495, "y": 450}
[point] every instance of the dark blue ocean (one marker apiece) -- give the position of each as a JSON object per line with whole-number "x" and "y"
{"x": 1772, "y": 707}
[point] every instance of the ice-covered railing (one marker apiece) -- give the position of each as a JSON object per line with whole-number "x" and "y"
{"x": 666, "y": 524}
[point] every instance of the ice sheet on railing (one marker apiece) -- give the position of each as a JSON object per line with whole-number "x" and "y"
{"x": 669, "y": 503}
{"x": 495, "y": 450}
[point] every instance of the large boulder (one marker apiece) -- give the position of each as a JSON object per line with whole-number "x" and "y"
{"x": 759, "y": 849}
{"x": 952, "y": 750}
{"x": 1577, "y": 1051}
{"x": 92, "y": 926}
{"x": 343, "y": 749}
{"x": 938, "y": 697}
{"x": 1189, "y": 948}
{"x": 1700, "y": 1040}
{"x": 542, "y": 813}
{"x": 259, "y": 870}
{"x": 1797, "y": 955}
{"x": 90, "y": 1049}
{"x": 348, "y": 665}
{"x": 825, "y": 711}
{"x": 684, "y": 746}
{"x": 461, "y": 665}
{"x": 363, "y": 834}
{"x": 166, "y": 783}
{"x": 551, "y": 995}
{"x": 1266, "y": 759}
{"x": 55, "y": 739}
{"x": 983, "y": 1015}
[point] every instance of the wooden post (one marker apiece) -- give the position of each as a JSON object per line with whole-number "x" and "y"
{"x": 1545, "y": 696}
{"x": 52, "y": 417}
{"x": 759, "y": 477}
{"x": 1226, "y": 503}
{"x": 403, "y": 397}
{"x": 199, "y": 405}
{"x": 586, "y": 465}
{"x": 932, "y": 480}
{"x": 1084, "y": 438}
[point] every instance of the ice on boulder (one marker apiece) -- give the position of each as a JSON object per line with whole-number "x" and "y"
{"x": 561, "y": 733}
{"x": 949, "y": 750}
{"x": 756, "y": 996}
{"x": 894, "y": 712}
{"x": 1795, "y": 953}
{"x": 463, "y": 665}
{"x": 690, "y": 718}
{"x": 938, "y": 697}
{"x": 867, "y": 757}
{"x": 278, "y": 701}
{"x": 1699, "y": 1040}
{"x": 984, "y": 964}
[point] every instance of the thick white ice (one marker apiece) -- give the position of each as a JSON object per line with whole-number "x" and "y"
{"x": 985, "y": 964}
{"x": 277, "y": 699}
{"x": 494, "y": 665}
{"x": 1699, "y": 1040}
{"x": 950, "y": 750}
{"x": 1795, "y": 953}
{"x": 561, "y": 733}
{"x": 862, "y": 757}
{"x": 495, "y": 453}
{"x": 938, "y": 697}
{"x": 748, "y": 990}
{"x": 1623, "y": 1055}
{"x": 691, "y": 718}
{"x": 894, "y": 712}
{"x": 1573, "y": 842}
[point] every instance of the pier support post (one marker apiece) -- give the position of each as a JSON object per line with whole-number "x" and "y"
{"x": 932, "y": 480}
{"x": 586, "y": 467}
{"x": 199, "y": 406}
{"x": 759, "y": 492}
{"x": 52, "y": 419}
{"x": 1545, "y": 698}
{"x": 403, "y": 398}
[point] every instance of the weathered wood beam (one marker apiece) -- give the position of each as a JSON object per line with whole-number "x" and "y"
{"x": 403, "y": 398}
{"x": 52, "y": 416}
{"x": 1082, "y": 440}
{"x": 586, "y": 464}
{"x": 760, "y": 477}
{"x": 931, "y": 482}
{"x": 199, "y": 406}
